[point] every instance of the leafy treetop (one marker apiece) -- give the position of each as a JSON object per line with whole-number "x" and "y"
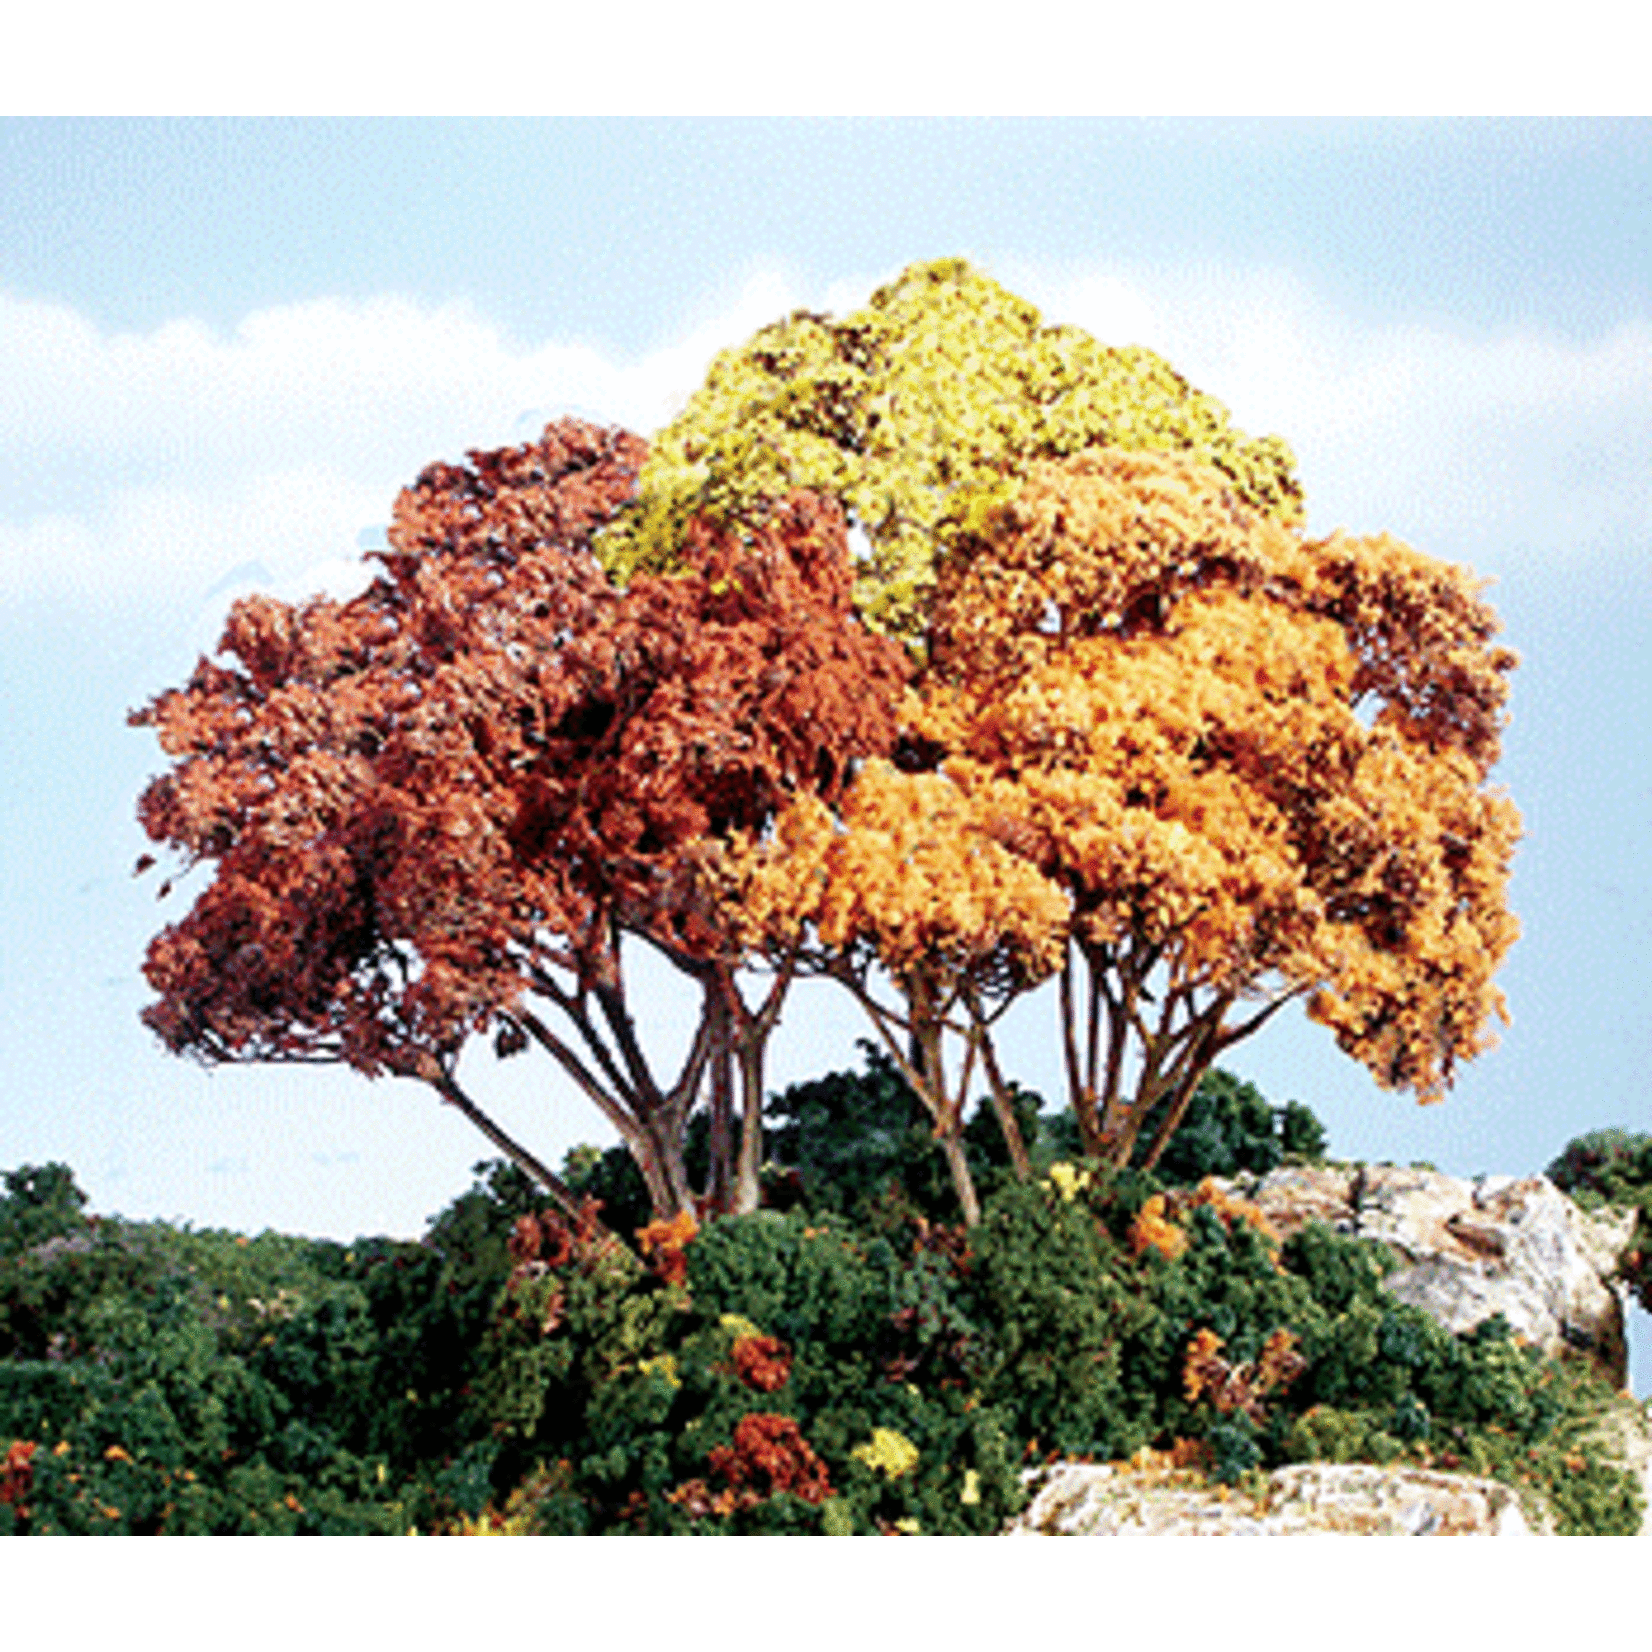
{"x": 1164, "y": 742}
{"x": 918, "y": 412}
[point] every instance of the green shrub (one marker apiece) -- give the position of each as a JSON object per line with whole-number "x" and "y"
{"x": 854, "y": 1363}
{"x": 41, "y": 1202}
{"x": 1229, "y": 1126}
{"x": 1613, "y": 1167}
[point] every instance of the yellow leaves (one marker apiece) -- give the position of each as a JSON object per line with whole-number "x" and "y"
{"x": 890, "y": 1451}
{"x": 1067, "y": 1181}
{"x": 917, "y": 412}
{"x": 117, "y": 1454}
{"x": 663, "y": 1366}
{"x": 970, "y": 1495}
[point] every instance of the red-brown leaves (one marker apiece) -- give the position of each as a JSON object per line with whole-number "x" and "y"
{"x": 769, "y": 1455}
{"x": 763, "y": 1363}
{"x": 17, "y": 1473}
{"x": 492, "y": 762}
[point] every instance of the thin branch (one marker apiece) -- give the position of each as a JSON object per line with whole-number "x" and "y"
{"x": 573, "y": 1007}
{"x": 513, "y": 1150}
{"x": 1069, "y": 1032}
{"x": 1260, "y": 1019}
{"x": 615, "y": 1012}
{"x": 616, "y": 1114}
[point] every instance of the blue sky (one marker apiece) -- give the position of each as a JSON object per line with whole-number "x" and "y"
{"x": 224, "y": 347}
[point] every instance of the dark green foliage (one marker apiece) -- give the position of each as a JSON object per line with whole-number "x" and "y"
{"x": 902, "y": 1371}
{"x": 206, "y": 1382}
{"x": 41, "y": 1202}
{"x": 1606, "y": 1167}
{"x": 612, "y": 1177}
{"x": 1228, "y": 1127}
{"x": 859, "y": 1143}
{"x": 1301, "y": 1135}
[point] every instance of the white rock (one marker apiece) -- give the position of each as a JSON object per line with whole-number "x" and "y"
{"x": 1302, "y": 1500}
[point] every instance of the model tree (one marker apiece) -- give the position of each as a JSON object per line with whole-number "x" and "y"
{"x": 439, "y": 810}
{"x": 1255, "y": 763}
{"x": 1125, "y": 725}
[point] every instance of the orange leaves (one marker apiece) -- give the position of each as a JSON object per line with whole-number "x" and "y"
{"x": 1098, "y": 544}
{"x": 763, "y": 1363}
{"x": 1153, "y": 1229}
{"x": 912, "y": 871}
{"x": 663, "y": 1244}
{"x": 1155, "y": 1226}
{"x": 1255, "y": 758}
{"x": 1205, "y": 1374}
{"x": 1231, "y": 1208}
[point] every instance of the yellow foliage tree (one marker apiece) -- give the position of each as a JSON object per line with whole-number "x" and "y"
{"x": 918, "y": 413}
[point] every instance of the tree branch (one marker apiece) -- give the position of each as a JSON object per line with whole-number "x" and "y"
{"x": 513, "y": 1150}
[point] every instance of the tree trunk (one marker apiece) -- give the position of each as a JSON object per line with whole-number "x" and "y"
{"x": 721, "y": 1174}
{"x": 963, "y": 1183}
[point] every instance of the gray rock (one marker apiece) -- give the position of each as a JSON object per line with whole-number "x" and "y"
{"x": 1467, "y": 1250}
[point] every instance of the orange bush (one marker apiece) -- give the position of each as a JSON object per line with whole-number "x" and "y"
{"x": 763, "y": 1363}
{"x": 769, "y": 1455}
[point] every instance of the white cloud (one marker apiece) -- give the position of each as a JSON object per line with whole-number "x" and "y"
{"x": 1519, "y": 450}
{"x": 282, "y": 442}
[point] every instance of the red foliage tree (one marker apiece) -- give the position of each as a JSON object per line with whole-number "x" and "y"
{"x": 437, "y": 810}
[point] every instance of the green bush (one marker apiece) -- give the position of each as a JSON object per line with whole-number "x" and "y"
{"x": 1229, "y": 1126}
{"x": 40, "y": 1203}
{"x": 852, "y": 1363}
{"x": 862, "y": 1145}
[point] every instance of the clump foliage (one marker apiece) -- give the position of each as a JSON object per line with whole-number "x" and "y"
{"x": 844, "y": 1360}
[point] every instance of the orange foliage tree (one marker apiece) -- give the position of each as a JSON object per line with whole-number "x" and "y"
{"x": 1255, "y": 763}
{"x": 1193, "y": 763}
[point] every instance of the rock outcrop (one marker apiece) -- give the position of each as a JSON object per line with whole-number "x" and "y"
{"x": 1467, "y": 1250}
{"x": 1144, "y": 1499}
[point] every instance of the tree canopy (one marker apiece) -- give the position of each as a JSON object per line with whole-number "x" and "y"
{"x": 918, "y": 412}
{"x": 1088, "y": 704}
